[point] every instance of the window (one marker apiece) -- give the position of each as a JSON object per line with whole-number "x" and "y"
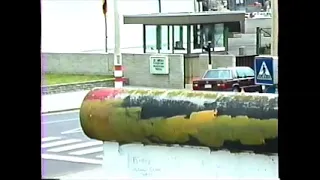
{"x": 219, "y": 37}
{"x": 218, "y": 74}
{"x": 245, "y": 72}
{"x": 249, "y": 72}
{"x": 197, "y": 42}
{"x": 151, "y": 38}
{"x": 179, "y": 37}
{"x": 240, "y": 73}
{"x": 158, "y": 39}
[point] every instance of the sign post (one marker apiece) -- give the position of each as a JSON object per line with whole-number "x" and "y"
{"x": 208, "y": 49}
{"x": 105, "y": 10}
{"x": 266, "y": 72}
{"x": 274, "y": 29}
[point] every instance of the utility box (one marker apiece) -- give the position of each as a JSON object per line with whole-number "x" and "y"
{"x": 266, "y": 70}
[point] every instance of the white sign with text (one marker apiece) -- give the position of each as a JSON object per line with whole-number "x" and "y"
{"x": 159, "y": 65}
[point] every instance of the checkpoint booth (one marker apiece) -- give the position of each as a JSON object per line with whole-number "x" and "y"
{"x": 187, "y": 33}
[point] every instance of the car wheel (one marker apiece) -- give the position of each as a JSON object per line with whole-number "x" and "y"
{"x": 236, "y": 89}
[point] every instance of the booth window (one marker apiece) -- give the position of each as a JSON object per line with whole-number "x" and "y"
{"x": 180, "y": 38}
{"x": 216, "y": 34}
{"x": 157, "y": 39}
{"x": 151, "y": 36}
{"x": 219, "y": 37}
{"x": 185, "y": 38}
{"x": 197, "y": 41}
{"x": 207, "y": 33}
{"x": 178, "y": 34}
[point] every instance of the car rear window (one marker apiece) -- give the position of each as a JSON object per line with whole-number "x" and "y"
{"x": 217, "y": 74}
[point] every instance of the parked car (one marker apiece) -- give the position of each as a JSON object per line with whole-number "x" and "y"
{"x": 228, "y": 79}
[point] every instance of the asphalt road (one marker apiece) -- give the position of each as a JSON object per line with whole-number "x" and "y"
{"x": 65, "y": 148}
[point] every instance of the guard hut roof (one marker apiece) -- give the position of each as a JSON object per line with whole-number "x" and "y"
{"x": 184, "y": 18}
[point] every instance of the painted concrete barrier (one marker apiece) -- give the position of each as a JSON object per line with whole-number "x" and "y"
{"x": 225, "y": 130}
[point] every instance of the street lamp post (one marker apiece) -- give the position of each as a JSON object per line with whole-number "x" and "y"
{"x": 118, "y": 69}
{"x": 274, "y": 28}
{"x": 105, "y": 10}
{"x": 208, "y": 49}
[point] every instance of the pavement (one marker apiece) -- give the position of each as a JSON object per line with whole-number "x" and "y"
{"x": 66, "y": 151}
{"x": 62, "y": 102}
{"x": 53, "y": 103}
{"x": 65, "y": 148}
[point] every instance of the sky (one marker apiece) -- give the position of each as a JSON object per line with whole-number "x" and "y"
{"x": 78, "y": 25}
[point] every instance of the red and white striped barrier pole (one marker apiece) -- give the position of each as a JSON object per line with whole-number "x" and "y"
{"x": 118, "y": 70}
{"x": 118, "y": 75}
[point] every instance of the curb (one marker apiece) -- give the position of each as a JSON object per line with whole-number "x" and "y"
{"x": 77, "y": 83}
{"x": 73, "y": 87}
{"x": 59, "y": 111}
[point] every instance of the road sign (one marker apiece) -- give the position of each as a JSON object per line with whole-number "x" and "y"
{"x": 264, "y": 73}
{"x": 264, "y": 70}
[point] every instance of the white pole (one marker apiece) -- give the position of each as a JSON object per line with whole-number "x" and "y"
{"x": 274, "y": 29}
{"x": 118, "y": 70}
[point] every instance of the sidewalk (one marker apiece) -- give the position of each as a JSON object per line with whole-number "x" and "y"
{"x": 62, "y": 102}
{"x": 72, "y": 101}
{"x": 69, "y": 101}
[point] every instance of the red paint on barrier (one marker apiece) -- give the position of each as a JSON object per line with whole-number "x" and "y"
{"x": 101, "y": 94}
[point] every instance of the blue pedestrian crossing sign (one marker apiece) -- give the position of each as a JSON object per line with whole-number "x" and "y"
{"x": 264, "y": 67}
{"x": 264, "y": 73}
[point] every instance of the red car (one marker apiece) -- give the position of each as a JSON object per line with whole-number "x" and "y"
{"x": 228, "y": 79}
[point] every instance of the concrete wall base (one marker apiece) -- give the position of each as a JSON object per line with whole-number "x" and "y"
{"x": 140, "y": 161}
{"x": 188, "y": 86}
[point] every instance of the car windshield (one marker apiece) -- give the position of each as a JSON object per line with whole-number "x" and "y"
{"x": 217, "y": 74}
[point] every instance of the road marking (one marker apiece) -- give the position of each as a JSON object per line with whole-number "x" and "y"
{"x": 72, "y": 131}
{"x": 45, "y": 139}
{"x": 71, "y": 159}
{"x": 59, "y": 121}
{"x": 75, "y": 146}
{"x": 56, "y": 113}
{"x": 99, "y": 156}
{"x": 87, "y": 151}
{"x": 58, "y": 143}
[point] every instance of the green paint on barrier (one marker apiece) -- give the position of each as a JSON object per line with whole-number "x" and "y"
{"x": 146, "y": 118}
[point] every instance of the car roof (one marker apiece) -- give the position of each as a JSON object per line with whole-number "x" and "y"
{"x": 231, "y": 68}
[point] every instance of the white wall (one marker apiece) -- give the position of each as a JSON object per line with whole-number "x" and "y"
{"x": 138, "y": 161}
